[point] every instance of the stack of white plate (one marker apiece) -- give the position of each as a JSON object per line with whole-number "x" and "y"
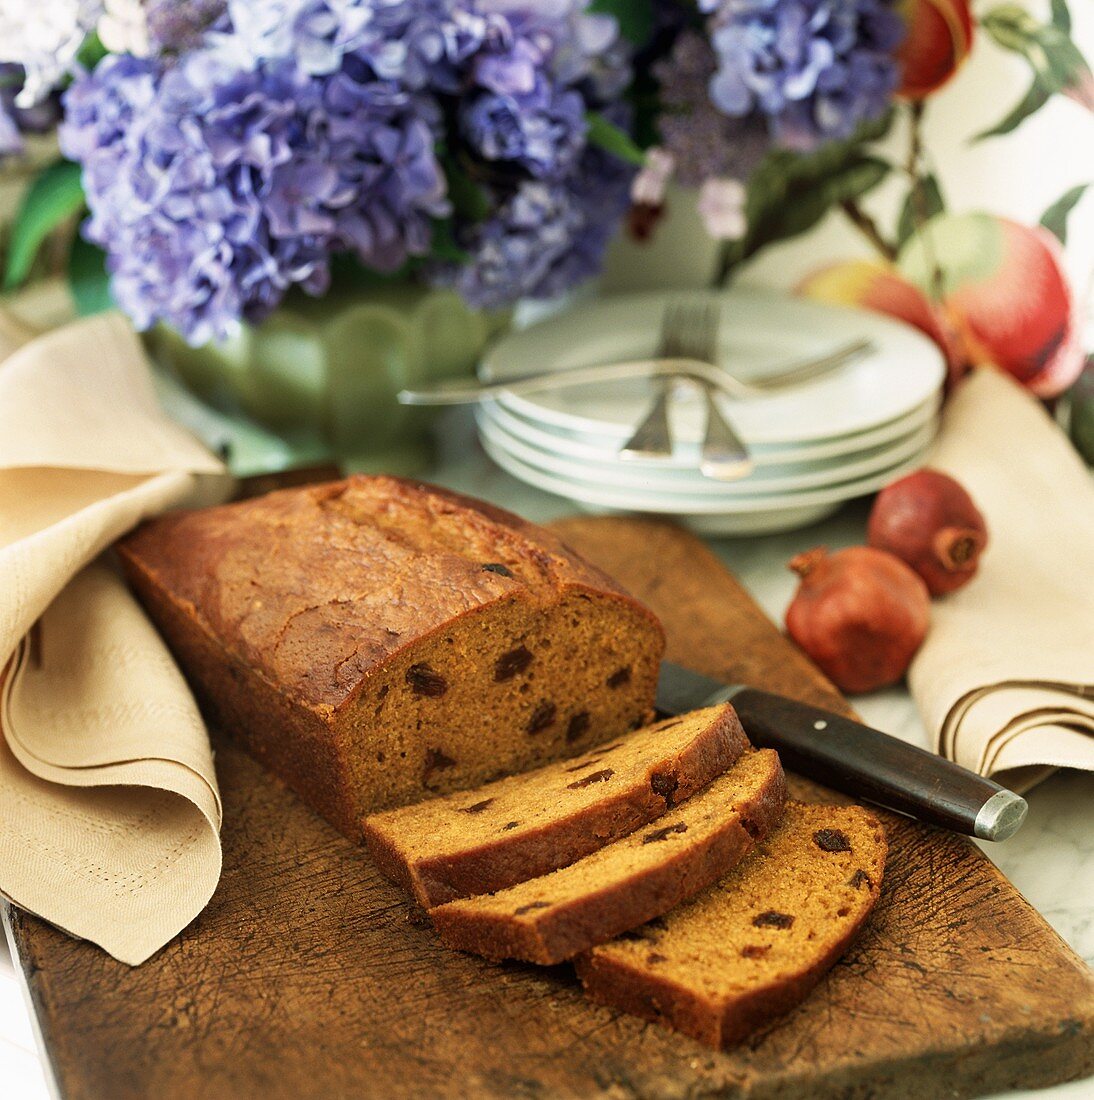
{"x": 815, "y": 446}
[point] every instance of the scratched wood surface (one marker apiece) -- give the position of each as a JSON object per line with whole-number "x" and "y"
{"x": 309, "y": 976}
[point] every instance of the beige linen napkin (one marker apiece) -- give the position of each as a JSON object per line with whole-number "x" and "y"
{"x": 109, "y": 809}
{"x": 1005, "y": 679}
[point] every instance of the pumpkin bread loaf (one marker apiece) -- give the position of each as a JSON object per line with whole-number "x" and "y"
{"x": 626, "y": 883}
{"x": 752, "y": 946}
{"x": 519, "y": 828}
{"x": 376, "y": 641}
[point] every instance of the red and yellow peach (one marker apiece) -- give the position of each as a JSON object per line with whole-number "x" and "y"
{"x": 937, "y": 40}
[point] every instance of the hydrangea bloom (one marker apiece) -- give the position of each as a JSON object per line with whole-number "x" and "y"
{"x": 541, "y": 129}
{"x": 219, "y": 177}
{"x": 528, "y": 72}
{"x": 215, "y": 188}
{"x": 814, "y": 68}
{"x": 399, "y": 40}
{"x": 546, "y": 238}
{"x": 536, "y": 68}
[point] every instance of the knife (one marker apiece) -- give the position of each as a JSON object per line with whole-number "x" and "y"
{"x": 853, "y": 758}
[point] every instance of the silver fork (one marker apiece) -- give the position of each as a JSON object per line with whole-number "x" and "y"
{"x": 691, "y": 332}
{"x": 653, "y": 436}
{"x": 459, "y": 392}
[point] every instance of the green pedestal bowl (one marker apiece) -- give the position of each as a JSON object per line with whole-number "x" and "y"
{"x": 323, "y": 373}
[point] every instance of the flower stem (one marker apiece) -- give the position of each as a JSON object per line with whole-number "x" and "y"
{"x": 730, "y": 256}
{"x": 919, "y": 196}
{"x": 868, "y": 228}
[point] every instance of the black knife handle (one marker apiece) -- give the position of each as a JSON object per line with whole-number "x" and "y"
{"x": 875, "y": 766}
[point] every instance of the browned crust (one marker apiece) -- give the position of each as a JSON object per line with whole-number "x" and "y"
{"x": 717, "y": 1022}
{"x": 551, "y": 935}
{"x": 291, "y": 723}
{"x": 182, "y": 551}
{"x": 291, "y": 740}
{"x": 506, "y": 861}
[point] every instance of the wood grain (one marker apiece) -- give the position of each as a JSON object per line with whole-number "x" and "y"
{"x": 308, "y": 975}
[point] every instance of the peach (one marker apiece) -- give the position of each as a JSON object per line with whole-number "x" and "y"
{"x": 937, "y": 41}
{"x": 1005, "y": 296}
{"x": 880, "y": 287}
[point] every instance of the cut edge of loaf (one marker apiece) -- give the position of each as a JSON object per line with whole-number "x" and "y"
{"x": 538, "y": 932}
{"x": 724, "y": 1021}
{"x": 667, "y": 781}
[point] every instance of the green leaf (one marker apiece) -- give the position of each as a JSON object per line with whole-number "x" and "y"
{"x": 53, "y": 198}
{"x": 781, "y": 205}
{"x": 444, "y": 246}
{"x": 789, "y": 193}
{"x": 612, "y": 139}
{"x": 1054, "y": 219}
{"x": 469, "y": 199}
{"x": 1037, "y": 96}
{"x": 1054, "y": 58}
{"x": 856, "y": 179}
{"x": 87, "y": 278}
{"x": 923, "y": 202}
{"x": 635, "y": 17}
{"x": 347, "y": 272}
{"x": 91, "y": 51}
{"x": 1055, "y": 61}
{"x": 1009, "y": 26}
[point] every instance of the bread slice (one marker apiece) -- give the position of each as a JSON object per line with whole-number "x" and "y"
{"x": 752, "y": 946}
{"x": 638, "y": 877}
{"x": 518, "y": 828}
{"x": 375, "y": 641}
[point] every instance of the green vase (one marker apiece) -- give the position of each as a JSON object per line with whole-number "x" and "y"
{"x": 322, "y": 373}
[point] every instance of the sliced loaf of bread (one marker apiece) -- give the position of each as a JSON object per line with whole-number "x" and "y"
{"x": 753, "y": 945}
{"x": 514, "y": 829}
{"x": 640, "y": 876}
{"x": 375, "y": 641}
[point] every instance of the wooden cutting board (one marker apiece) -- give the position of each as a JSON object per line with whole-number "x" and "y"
{"x": 308, "y": 975}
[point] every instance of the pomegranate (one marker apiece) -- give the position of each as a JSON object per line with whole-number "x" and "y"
{"x": 859, "y": 613}
{"x": 928, "y": 521}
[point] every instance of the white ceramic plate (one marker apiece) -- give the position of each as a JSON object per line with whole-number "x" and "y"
{"x": 739, "y": 524}
{"x": 677, "y": 504}
{"x": 674, "y": 480}
{"x": 759, "y": 332}
{"x": 595, "y": 448}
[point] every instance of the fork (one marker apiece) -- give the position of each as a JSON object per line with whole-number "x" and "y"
{"x": 459, "y": 392}
{"x": 690, "y": 332}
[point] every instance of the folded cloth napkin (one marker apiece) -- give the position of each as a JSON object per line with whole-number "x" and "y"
{"x": 1005, "y": 679}
{"x": 109, "y": 809}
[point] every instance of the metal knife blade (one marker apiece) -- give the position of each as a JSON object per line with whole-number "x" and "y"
{"x": 854, "y": 758}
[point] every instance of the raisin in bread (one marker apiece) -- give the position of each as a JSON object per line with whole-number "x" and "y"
{"x": 375, "y": 641}
{"x": 519, "y": 828}
{"x": 752, "y": 946}
{"x": 626, "y": 883}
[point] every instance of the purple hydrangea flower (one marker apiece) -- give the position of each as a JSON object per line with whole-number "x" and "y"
{"x": 399, "y": 40}
{"x": 545, "y": 238}
{"x": 317, "y": 33}
{"x": 214, "y": 188}
{"x": 541, "y": 130}
{"x": 536, "y": 68}
{"x": 230, "y": 169}
{"x": 814, "y": 68}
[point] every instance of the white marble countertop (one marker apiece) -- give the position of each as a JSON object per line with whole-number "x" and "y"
{"x": 1051, "y": 860}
